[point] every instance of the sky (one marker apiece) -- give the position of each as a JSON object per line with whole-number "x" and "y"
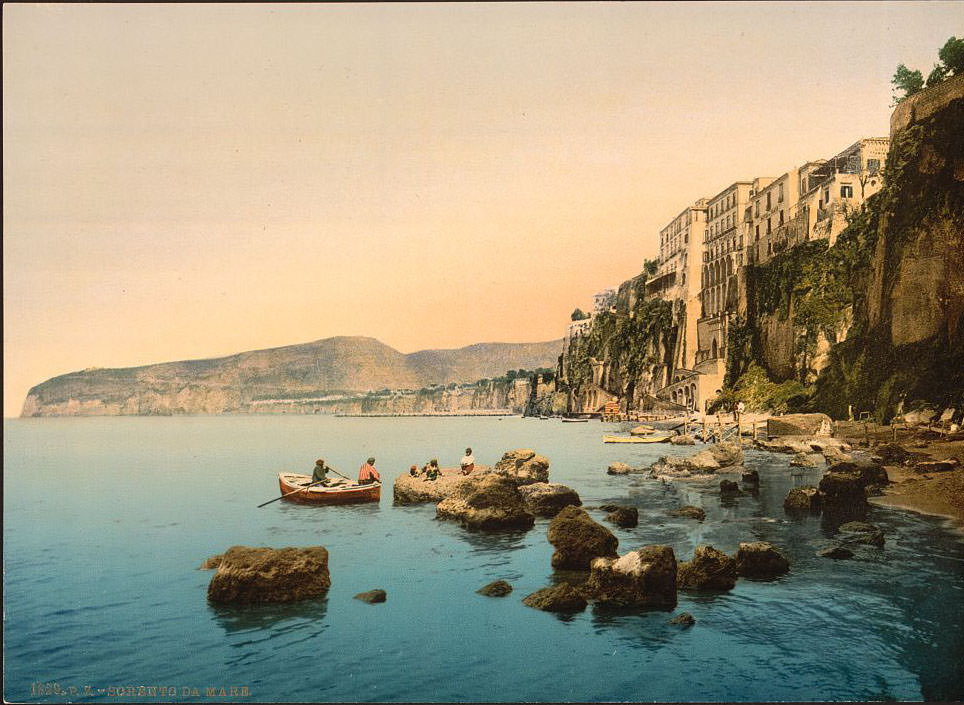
{"x": 190, "y": 181}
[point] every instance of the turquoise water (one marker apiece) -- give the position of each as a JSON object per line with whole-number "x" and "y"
{"x": 106, "y": 521}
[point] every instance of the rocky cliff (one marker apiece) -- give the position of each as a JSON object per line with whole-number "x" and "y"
{"x": 334, "y": 374}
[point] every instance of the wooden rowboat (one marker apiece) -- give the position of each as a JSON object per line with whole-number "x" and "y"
{"x": 337, "y": 492}
{"x": 636, "y": 439}
{"x": 568, "y": 420}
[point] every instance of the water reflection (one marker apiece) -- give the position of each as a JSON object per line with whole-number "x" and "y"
{"x": 254, "y": 618}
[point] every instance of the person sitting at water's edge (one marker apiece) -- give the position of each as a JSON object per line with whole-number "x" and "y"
{"x": 431, "y": 470}
{"x": 413, "y": 471}
{"x": 468, "y": 462}
{"x": 320, "y": 473}
{"x": 367, "y": 474}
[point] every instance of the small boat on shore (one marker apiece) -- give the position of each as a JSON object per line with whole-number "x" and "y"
{"x": 293, "y": 489}
{"x": 657, "y": 438}
{"x": 568, "y": 420}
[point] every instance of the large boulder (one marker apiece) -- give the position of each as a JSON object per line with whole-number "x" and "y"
{"x": 546, "y": 499}
{"x": 418, "y": 490}
{"x": 760, "y": 560}
{"x": 846, "y": 485}
{"x": 523, "y": 466}
{"x": 710, "y": 569}
{"x": 489, "y": 502}
{"x": 704, "y": 462}
{"x": 642, "y": 578}
{"x": 578, "y": 539}
{"x": 803, "y": 500}
{"x": 800, "y": 425}
{"x": 559, "y": 598}
{"x": 618, "y": 468}
{"x": 259, "y": 575}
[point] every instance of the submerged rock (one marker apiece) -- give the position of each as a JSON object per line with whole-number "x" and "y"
{"x": 523, "y": 466}
{"x": 546, "y": 499}
{"x": 258, "y": 575}
{"x": 710, "y": 569}
{"x": 837, "y": 551}
{"x": 860, "y": 532}
{"x": 643, "y": 578}
{"x": 486, "y": 503}
{"x": 497, "y": 588}
{"x": 559, "y": 598}
{"x": 760, "y": 560}
{"x": 690, "y": 512}
{"x": 728, "y": 488}
{"x": 624, "y": 517}
{"x": 684, "y": 619}
{"x": 372, "y": 596}
{"x": 751, "y": 477}
{"x": 803, "y": 500}
{"x": 578, "y": 539}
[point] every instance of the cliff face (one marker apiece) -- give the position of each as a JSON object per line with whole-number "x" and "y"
{"x": 322, "y": 375}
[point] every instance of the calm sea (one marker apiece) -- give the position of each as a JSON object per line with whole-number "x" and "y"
{"x": 106, "y": 521}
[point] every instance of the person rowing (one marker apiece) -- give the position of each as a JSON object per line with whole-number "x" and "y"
{"x": 367, "y": 474}
{"x": 320, "y": 473}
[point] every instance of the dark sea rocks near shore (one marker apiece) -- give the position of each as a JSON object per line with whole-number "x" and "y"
{"x": 489, "y": 502}
{"x": 497, "y": 588}
{"x": 248, "y": 575}
{"x": 558, "y": 598}
{"x": 578, "y": 539}
{"x": 372, "y": 596}
{"x": 710, "y": 569}
{"x": 644, "y": 578}
{"x": 845, "y": 487}
{"x": 803, "y": 500}
{"x": 547, "y": 499}
{"x": 760, "y": 560}
{"x": 622, "y": 516}
{"x": 690, "y": 512}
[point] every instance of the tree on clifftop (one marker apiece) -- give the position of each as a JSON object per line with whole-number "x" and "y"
{"x": 579, "y": 315}
{"x": 951, "y": 57}
{"x": 910, "y": 82}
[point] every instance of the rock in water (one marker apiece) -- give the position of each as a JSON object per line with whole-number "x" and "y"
{"x": 372, "y": 596}
{"x": 806, "y": 460}
{"x": 802, "y": 500}
{"x": 211, "y": 563}
{"x": 618, "y": 468}
{"x": 704, "y": 462}
{"x": 498, "y": 588}
{"x": 256, "y": 575}
{"x": 750, "y": 477}
{"x": 578, "y": 539}
{"x": 710, "y": 569}
{"x": 728, "y": 488}
{"x": 799, "y": 425}
{"x": 684, "y": 619}
{"x": 690, "y": 512}
{"x": 644, "y": 578}
{"x": 845, "y": 487}
{"x": 486, "y": 503}
{"x": 624, "y": 517}
{"x": 837, "y": 552}
{"x": 560, "y": 598}
{"x": 546, "y": 499}
{"x": 682, "y": 440}
{"x": 864, "y": 533}
{"x": 891, "y": 454}
{"x": 760, "y": 560}
{"x": 523, "y": 467}
{"x": 418, "y": 490}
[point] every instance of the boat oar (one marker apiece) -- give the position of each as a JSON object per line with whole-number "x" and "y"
{"x": 289, "y": 493}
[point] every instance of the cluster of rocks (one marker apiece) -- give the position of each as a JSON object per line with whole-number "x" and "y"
{"x": 509, "y": 495}
{"x": 842, "y": 491}
{"x": 716, "y": 458}
{"x": 646, "y": 578}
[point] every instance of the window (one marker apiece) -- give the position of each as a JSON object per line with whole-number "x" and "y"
{"x": 780, "y": 193}
{"x": 781, "y": 217}
{"x": 769, "y": 193}
{"x": 846, "y": 191}
{"x": 756, "y": 211}
{"x": 873, "y": 165}
{"x": 826, "y": 195}
{"x": 758, "y": 232}
{"x": 768, "y": 226}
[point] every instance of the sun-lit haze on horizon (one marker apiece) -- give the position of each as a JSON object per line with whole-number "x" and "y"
{"x": 191, "y": 181}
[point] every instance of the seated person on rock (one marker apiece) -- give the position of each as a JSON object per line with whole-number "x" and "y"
{"x": 320, "y": 473}
{"x": 413, "y": 471}
{"x": 431, "y": 470}
{"x": 468, "y": 462}
{"x": 367, "y": 474}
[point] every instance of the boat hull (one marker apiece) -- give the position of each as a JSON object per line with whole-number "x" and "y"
{"x": 344, "y": 492}
{"x": 635, "y": 439}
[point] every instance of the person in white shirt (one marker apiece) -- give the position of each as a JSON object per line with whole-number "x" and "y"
{"x": 468, "y": 462}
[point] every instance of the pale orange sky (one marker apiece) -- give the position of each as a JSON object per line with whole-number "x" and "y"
{"x": 187, "y": 181}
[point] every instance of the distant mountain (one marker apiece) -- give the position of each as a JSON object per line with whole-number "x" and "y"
{"x": 237, "y": 383}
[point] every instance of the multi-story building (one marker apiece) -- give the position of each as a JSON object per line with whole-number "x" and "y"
{"x": 603, "y": 300}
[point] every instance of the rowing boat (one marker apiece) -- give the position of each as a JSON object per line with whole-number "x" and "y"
{"x": 567, "y": 420}
{"x": 338, "y": 491}
{"x": 636, "y": 439}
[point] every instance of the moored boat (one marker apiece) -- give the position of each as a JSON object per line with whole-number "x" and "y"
{"x": 572, "y": 420}
{"x": 636, "y": 439}
{"x": 338, "y": 491}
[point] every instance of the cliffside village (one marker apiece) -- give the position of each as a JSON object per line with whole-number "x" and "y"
{"x": 704, "y": 253}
